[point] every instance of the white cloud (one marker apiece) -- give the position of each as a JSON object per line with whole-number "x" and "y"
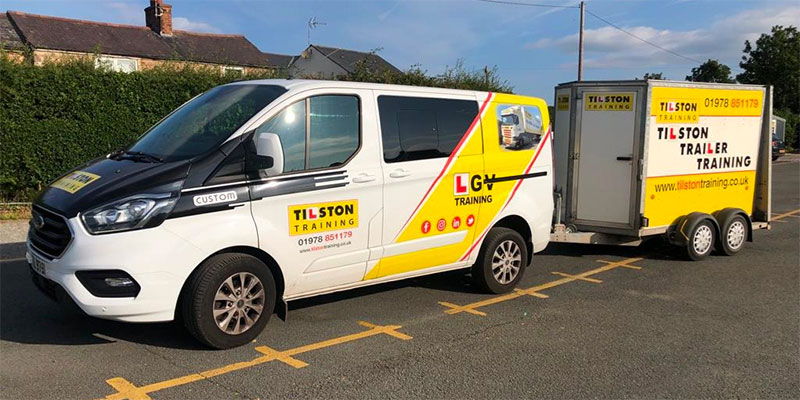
{"x": 126, "y": 13}
{"x": 184, "y": 24}
{"x": 723, "y": 39}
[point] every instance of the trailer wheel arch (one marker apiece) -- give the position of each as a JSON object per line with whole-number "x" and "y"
{"x": 722, "y": 216}
{"x": 520, "y": 225}
{"x": 280, "y": 306}
{"x": 687, "y": 223}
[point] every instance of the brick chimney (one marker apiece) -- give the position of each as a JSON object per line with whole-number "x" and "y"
{"x": 158, "y": 17}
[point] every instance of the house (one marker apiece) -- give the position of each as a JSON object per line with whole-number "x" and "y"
{"x": 330, "y": 62}
{"x": 39, "y": 39}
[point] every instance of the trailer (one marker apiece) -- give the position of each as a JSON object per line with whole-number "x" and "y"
{"x": 686, "y": 161}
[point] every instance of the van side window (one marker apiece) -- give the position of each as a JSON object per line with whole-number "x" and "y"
{"x": 290, "y": 126}
{"x": 317, "y": 132}
{"x": 418, "y": 128}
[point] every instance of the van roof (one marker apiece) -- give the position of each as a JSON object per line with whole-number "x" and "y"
{"x": 304, "y": 84}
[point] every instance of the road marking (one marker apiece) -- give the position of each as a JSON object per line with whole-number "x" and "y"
{"x": 534, "y": 291}
{"x": 576, "y": 277}
{"x": 127, "y": 390}
{"x": 787, "y": 214}
{"x": 10, "y": 260}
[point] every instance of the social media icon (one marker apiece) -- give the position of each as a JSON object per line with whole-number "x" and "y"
{"x": 426, "y": 227}
{"x": 441, "y": 224}
{"x": 470, "y": 220}
{"x": 456, "y": 223}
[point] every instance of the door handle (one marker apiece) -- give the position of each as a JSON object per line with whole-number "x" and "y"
{"x": 626, "y": 158}
{"x": 362, "y": 178}
{"x": 399, "y": 173}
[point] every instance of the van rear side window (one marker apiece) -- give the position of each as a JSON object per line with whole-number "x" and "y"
{"x": 419, "y": 128}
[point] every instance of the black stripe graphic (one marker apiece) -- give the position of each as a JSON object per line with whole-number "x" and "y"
{"x": 515, "y": 177}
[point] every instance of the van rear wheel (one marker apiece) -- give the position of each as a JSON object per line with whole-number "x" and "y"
{"x": 228, "y": 300}
{"x": 502, "y": 261}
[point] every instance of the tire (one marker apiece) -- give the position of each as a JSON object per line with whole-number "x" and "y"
{"x": 502, "y": 261}
{"x": 227, "y": 275}
{"x": 701, "y": 240}
{"x": 732, "y": 236}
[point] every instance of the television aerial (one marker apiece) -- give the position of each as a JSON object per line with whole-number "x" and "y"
{"x": 312, "y": 24}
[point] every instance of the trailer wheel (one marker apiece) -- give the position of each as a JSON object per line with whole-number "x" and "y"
{"x": 733, "y": 235}
{"x": 228, "y": 300}
{"x": 701, "y": 240}
{"x": 502, "y": 261}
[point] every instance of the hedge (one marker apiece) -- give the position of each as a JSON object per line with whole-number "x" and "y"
{"x": 57, "y": 116}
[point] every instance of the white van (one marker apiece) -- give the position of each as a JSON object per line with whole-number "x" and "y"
{"x": 257, "y": 193}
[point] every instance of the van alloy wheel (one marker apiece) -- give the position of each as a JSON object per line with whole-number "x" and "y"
{"x": 238, "y": 303}
{"x": 506, "y": 262}
{"x": 501, "y": 262}
{"x": 228, "y": 299}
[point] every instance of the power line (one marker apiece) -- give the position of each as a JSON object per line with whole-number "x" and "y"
{"x": 516, "y": 3}
{"x": 641, "y": 39}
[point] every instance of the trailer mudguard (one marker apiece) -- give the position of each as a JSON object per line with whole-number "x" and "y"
{"x": 679, "y": 233}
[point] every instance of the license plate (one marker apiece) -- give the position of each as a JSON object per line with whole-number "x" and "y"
{"x": 39, "y": 266}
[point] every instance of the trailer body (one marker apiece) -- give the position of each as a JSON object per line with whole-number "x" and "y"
{"x": 635, "y": 158}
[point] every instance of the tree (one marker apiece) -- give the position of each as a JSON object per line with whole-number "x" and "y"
{"x": 711, "y": 71}
{"x": 654, "y": 75}
{"x": 775, "y": 60}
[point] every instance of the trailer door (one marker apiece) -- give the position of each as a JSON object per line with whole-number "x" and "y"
{"x": 606, "y": 124}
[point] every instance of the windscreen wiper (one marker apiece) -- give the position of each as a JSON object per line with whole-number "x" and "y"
{"x": 135, "y": 156}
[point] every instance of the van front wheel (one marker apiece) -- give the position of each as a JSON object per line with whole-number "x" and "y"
{"x": 229, "y": 300}
{"x": 502, "y": 261}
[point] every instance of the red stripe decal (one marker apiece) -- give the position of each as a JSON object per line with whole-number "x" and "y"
{"x": 513, "y": 192}
{"x": 449, "y": 160}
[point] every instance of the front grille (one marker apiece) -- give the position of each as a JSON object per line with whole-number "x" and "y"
{"x": 48, "y": 232}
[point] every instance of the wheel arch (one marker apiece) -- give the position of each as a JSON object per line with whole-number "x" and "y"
{"x": 687, "y": 223}
{"x": 268, "y": 260}
{"x": 521, "y": 226}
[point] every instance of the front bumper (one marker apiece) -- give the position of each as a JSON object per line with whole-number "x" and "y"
{"x": 157, "y": 259}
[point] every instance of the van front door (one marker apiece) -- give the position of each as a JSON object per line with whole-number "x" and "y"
{"x": 317, "y": 204}
{"x": 606, "y": 156}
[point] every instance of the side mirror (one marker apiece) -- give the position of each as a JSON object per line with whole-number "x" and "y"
{"x": 268, "y": 145}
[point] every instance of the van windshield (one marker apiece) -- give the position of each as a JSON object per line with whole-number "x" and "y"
{"x": 205, "y": 122}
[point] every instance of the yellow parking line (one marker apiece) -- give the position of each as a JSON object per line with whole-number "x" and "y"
{"x": 784, "y": 215}
{"x": 534, "y": 291}
{"x": 127, "y": 390}
{"x": 576, "y": 277}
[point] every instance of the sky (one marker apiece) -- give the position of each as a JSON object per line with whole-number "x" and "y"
{"x": 533, "y": 48}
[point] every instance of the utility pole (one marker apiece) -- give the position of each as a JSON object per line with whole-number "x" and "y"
{"x": 580, "y": 44}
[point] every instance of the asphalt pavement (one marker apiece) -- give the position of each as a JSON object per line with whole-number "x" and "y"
{"x": 624, "y": 322}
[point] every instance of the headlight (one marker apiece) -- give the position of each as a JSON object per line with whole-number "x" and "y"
{"x": 129, "y": 213}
